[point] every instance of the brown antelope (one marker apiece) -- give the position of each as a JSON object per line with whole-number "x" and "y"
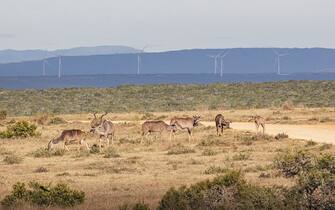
{"x": 69, "y": 136}
{"x": 157, "y": 126}
{"x": 186, "y": 123}
{"x": 221, "y": 123}
{"x": 104, "y": 128}
{"x": 259, "y": 121}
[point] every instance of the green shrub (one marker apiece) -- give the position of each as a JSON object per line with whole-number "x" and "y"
{"x": 280, "y": 136}
{"x": 241, "y": 156}
{"x": 141, "y": 206}
{"x": 13, "y": 159}
{"x": 180, "y": 149}
{"x": 56, "y": 121}
{"x": 43, "y": 195}
{"x": 229, "y": 191}
{"x": 216, "y": 170}
{"x": 95, "y": 149}
{"x": 21, "y": 129}
{"x": 148, "y": 116}
{"x": 43, "y": 153}
{"x": 294, "y": 163}
{"x": 311, "y": 143}
{"x": 3, "y": 114}
{"x": 209, "y": 152}
{"x": 111, "y": 153}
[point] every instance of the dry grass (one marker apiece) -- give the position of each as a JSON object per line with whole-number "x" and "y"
{"x": 143, "y": 172}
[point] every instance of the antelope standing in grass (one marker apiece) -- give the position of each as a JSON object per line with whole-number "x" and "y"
{"x": 69, "y": 136}
{"x": 157, "y": 126}
{"x": 259, "y": 121}
{"x": 221, "y": 123}
{"x": 104, "y": 128}
{"x": 186, "y": 123}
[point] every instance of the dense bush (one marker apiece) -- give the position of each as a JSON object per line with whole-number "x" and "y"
{"x": 21, "y": 129}
{"x": 168, "y": 97}
{"x": 294, "y": 163}
{"x": 43, "y": 195}
{"x": 315, "y": 187}
{"x": 229, "y": 191}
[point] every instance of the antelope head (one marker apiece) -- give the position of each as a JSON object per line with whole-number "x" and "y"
{"x": 96, "y": 121}
{"x": 196, "y": 120}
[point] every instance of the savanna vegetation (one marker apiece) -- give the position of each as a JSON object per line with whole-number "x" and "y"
{"x": 149, "y": 98}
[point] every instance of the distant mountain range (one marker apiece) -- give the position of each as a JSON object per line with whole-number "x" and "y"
{"x": 14, "y": 56}
{"x": 238, "y": 60}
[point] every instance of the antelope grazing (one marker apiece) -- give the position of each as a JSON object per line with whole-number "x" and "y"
{"x": 69, "y": 136}
{"x": 259, "y": 121}
{"x": 186, "y": 123}
{"x": 104, "y": 128}
{"x": 157, "y": 126}
{"x": 221, "y": 123}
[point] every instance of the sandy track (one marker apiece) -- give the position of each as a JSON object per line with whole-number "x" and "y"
{"x": 323, "y": 133}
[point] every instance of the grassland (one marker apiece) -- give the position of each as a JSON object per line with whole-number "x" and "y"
{"x": 130, "y": 172}
{"x": 165, "y": 98}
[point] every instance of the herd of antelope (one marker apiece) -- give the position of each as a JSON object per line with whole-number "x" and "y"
{"x": 105, "y": 128}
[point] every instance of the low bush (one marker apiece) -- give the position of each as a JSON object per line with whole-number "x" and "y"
{"x": 56, "y": 121}
{"x": 43, "y": 153}
{"x": 21, "y": 129}
{"x": 60, "y": 195}
{"x": 95, "y": 149}
{"x": 209, "y": 152}
{"x": 13, "y": 159}
{"x": 280, "y": 136}
{"x": 216, "y": 170}
{"x": 241, "y": 156}
{"x": 3, "y": 114}
{"x": 41, "y": 170}
{"x": 180, "y": 149}
{"x": 111, "y": 153}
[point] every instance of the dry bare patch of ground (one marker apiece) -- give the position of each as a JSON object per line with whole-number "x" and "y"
{"x": 144, "y": 172}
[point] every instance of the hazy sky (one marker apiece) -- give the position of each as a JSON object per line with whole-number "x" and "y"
{"x": 167, "y": 24}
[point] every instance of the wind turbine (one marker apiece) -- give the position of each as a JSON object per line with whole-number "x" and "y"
{"x": 221, "y": 62}
{"x": 59, "y": 66}
{"x": 215, "y": 57}
{"x": 43, "y": 67}
{"x": 278, "y": 61}
{"x": 139, "y": 60}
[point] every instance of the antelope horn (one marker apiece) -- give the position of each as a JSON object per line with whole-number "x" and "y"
{"x": 95, "y": 115}
{"x": 103, "y": 115}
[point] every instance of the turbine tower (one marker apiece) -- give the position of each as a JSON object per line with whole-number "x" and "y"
{"x": 278, "y": 61}
{"x": 215, "y": 57}
{"x": 139, "y": 60}
{"x": 43, "y": 67}
{"x": 59, "y": 66}
{"x": 221, "y": 62}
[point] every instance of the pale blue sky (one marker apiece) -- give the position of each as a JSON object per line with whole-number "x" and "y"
{"x": 167, "y": 24}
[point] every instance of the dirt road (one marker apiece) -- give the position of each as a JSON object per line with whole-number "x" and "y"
{"x": 323, "y": 133}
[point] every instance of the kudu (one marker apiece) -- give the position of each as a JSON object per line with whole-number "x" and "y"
{"x": 221, "y": 124}
{"x": 259, "y": 121}
{"x": 102, "y": 127}
{"x": 157, "y": 126}
{"x": 186, "y": 123}
{"x": 68, "y": 137}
